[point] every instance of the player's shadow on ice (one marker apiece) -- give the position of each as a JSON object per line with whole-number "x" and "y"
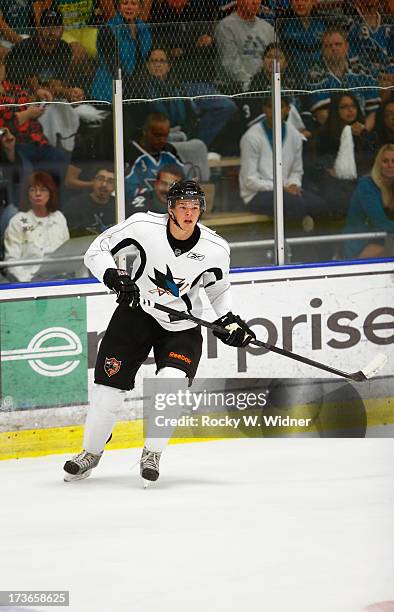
{"x": 133, "y": 481}
{"x": 168, "y": 482}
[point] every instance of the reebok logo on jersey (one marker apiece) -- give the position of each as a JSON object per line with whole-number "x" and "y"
{"x": 180, "y": 357}
{"x": 197, "y": 256}
{"x": 111, "y": 366}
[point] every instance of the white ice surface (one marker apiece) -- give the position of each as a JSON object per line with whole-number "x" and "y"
{"x": 240, "y": 525}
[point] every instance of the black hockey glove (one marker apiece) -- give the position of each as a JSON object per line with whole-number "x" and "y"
{"x": 239, "y": 334}
{"x": 126, "y": 289}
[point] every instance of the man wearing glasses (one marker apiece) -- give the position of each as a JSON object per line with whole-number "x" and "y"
{"x": 93, "y": 211}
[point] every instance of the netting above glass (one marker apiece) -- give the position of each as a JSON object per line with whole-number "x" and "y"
{"x": 231, "y": 56}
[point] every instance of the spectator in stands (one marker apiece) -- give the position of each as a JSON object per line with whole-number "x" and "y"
{"x": 14, "y": 170}
{"x": 79, "y": 17}
{"x": 186, "y": 30}
{"x": 301, "y": 37}
{"x": 369, "y": 36}
{"x": 94, "y": 146}
{"x": 268, "y": 10}
{"x": 372, "y": 207}
{"x": 44, "y": 60}
{"x": 203, "y": 119}
{"x": 256, "y": 175}
{"x": 93, "y": 211}
{"x": 193, "y": 152}
{"x": 262, "y": 81}
{"x": 16, "y": 18}
{"x": 371, "y": 41}
{"x": 155, "y": 200}
{"x": 107, "y": 9}
{"x": 241, "y": 39}
{"x": 124, "y": 43}
{"x": 315, "y": 120}
{"x": 40, "y": 230}
{"x": 344, "y": 151}
{"x": 384, "y": 124}
{"x": 16, "y": 22}
{"x": 22, "y": 121}
{"x": 152, "y": 152}
{"x": 157, "y": 82}
{"x": 335, "y": 73}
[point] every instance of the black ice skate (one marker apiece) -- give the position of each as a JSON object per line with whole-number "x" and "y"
{"x": 149, "y": 466}
{"x": 80, "y": 466}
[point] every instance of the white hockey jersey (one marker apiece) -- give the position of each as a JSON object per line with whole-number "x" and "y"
{"x": 161, "y": 276}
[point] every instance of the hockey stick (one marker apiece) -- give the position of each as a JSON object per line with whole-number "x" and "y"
{"x": 364, "y": 374}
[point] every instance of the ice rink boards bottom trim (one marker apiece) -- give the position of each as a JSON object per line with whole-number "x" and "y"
{"x": 62, "y": 440}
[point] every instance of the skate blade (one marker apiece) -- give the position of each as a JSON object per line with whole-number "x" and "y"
{"x": 72, "y": 477}
{"x": 146, "y": 483}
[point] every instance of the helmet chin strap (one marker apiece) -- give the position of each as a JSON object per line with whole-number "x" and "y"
{"x": 175, "y": 220}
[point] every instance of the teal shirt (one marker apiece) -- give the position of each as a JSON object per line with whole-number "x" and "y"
{"x": 269, "y": 132}
{"x": 366, "y": 214}
{"x": 18, "y": 14}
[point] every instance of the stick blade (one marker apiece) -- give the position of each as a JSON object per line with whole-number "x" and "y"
{"x": 375, "y": 365}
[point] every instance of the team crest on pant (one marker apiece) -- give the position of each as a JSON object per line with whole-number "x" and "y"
{"x": 111, "y": 366}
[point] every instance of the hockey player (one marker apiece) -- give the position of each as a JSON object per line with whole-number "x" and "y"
{"x": 177, "y": 256}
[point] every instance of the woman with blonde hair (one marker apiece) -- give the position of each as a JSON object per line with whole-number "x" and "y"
{"x": 40, "y": 230}
{"x": 372, "y": 207}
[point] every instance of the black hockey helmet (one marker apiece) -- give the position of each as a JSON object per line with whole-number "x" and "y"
{"x": 186, "y": 190}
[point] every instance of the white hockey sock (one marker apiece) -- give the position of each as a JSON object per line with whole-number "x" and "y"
{"x": 101, "y": 417}
{"x": 157, "y": 445}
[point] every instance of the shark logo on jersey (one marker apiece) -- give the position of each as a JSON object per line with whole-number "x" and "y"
{"x": 166, "y": 283}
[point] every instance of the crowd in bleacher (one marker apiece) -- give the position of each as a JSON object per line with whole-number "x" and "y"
{"x": 196, "y": 78}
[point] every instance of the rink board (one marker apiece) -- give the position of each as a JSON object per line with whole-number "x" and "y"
{"x": 342, "y": 315}
{"x": 129, "y": 434}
